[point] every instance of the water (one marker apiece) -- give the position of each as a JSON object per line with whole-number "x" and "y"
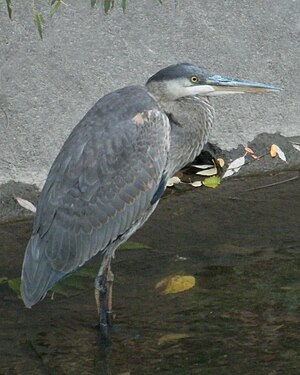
{"x": 242, "y": 316}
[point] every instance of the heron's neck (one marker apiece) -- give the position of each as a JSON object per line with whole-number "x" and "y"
{"x": 191, "y": 120}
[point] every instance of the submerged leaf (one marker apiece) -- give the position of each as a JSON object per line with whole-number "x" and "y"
{"x": 172, "y": 337}
{"x": 87, "y": 272}
{"x": 212, "y": 182}
{"x": 26, "y": 204}
{"x": 15, "y": 285}
{"x": 3, "y": 279}
{"x": 130, "y": 245}
{"x": 175, "y": 284}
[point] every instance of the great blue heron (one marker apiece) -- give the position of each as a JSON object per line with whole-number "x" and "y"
{"x": 112, "y": 171}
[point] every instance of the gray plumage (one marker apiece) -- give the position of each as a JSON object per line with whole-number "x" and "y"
{"x": 111, "y": 172}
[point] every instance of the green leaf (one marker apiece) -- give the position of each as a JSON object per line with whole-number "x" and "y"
{"x": 15, "y": 285}
{"x": 69, "y": 285}
{"x": 87, "y": 272}
{"x": 129, "y": 245}
{"x": 55, "y": 6}
{"x": 107, "y": 6}
{"x": 212, "y": 182}
{"x": 123, "y": 5}
{"x": 38, "y": 20}
{"x": 3, "y": 280}
{"x": 93, "y": 3}
{"x": 9, "y": 8}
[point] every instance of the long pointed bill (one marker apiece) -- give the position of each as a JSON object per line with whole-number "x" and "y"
{"x": 223, "y": 85}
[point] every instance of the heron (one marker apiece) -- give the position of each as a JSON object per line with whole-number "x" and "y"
{"x": 112, "y": 171}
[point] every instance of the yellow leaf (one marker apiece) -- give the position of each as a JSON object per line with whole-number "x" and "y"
{"x": 172, "y": 337}
{"x": 211, "y": 182}
{"x": 175, "y": 284}
{"x": 273, "y": 151}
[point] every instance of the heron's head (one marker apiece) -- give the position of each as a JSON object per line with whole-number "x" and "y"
{"x": 180, "y": 80}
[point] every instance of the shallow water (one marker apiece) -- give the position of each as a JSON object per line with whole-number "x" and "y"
{"x": 242, "y": 316}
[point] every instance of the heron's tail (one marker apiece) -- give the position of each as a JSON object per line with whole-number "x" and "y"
{"x": 37, "y": 274}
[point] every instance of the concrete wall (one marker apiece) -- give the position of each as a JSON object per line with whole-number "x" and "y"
{"x": 47, "y": 86}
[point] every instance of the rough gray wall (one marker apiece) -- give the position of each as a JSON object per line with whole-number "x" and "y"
{"x": 47, "y": 86}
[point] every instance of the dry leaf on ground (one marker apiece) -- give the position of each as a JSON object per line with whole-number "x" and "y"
{"x": 196, "y": 183}
{"x": 208, "y": 172}
{"x": 221, "y": 162}
{"x": 202, "y": 166}
{"x": 173, "y": 181}
{"x": 234, "y": 166}
{"x": 26, "y": 204}
{"x": 296, "y": 146}
{"x": 276, "y": 150}
{"x": 212, "y": 182}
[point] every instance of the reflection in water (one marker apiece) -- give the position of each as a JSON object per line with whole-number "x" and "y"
{"x": 241, "y": 317}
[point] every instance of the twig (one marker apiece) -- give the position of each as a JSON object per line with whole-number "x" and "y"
{"x": 273, "y": 184}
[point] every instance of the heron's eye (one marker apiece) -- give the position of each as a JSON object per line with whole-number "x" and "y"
{"x": 194, "y": 79}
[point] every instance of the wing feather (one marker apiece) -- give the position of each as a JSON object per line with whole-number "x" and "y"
{"x": 100, "y": 186}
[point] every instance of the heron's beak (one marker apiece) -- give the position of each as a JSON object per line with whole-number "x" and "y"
{"x": 223, "y": 85}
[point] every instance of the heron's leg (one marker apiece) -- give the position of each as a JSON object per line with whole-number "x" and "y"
{"x": 109, "y": 286}
{"x": 102, "y": 297}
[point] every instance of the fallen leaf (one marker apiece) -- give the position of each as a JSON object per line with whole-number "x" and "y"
{"x": 221, "y": 162}
{"x": 281, "y": 154}
{"x": 249, "y": 150}
{"x": 130, "y": 245}
{"x": 172, "y": 337}
{"x": 234, "y": 166}
{"x": 273, "y": 151}
{"x": 175, "y": 284}
{"x": 15, "y": 285}
{"x": 173, "y": 180}
{"x": 212, "y": 182}
{"x": 196, "y": 183}
{"x": 228, "y": 173}
{"x": 208, "y": 172}
{"x": 26, "y": 204}
{"x": 3, "y": 280}
{"x": 202, "y": 166}
{"x": 296, "y": 146}
{"x": 237, "y": 163}
{"x": 254, "y": 156}
{"x": 268, "y": 357}
{"x": 276, "y": 150}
